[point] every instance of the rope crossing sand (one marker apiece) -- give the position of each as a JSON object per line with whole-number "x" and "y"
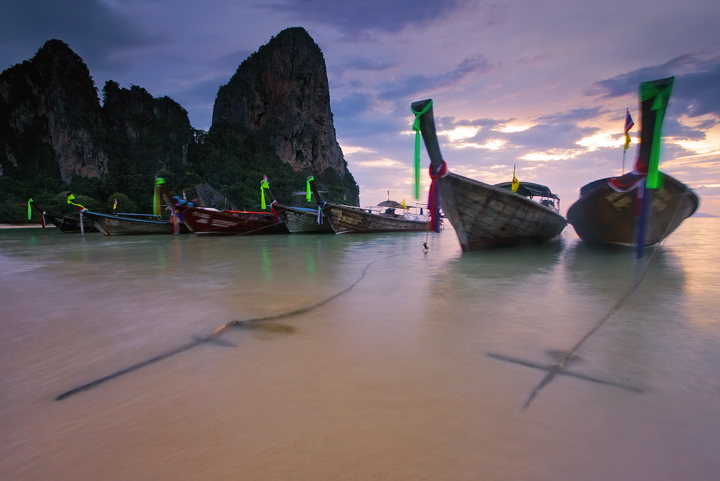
{"x": 558, "y": 367}
{"x": 212, "y": 338}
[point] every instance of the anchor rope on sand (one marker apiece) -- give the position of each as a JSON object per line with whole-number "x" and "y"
{"x": 558, "y": 367}
{"x": 213, "y": 337}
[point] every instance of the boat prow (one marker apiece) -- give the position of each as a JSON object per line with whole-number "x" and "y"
{"x": 484, "y": 215}
{"x": 604, "y": 215}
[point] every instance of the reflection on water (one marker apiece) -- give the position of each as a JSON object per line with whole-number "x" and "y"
{"x": 390, "y": 380}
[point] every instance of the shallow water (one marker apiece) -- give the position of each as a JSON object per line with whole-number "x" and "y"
{"x": 390, "y": 380}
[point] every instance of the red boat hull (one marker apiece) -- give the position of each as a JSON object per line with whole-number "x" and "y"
{"x": 212, "y": 222}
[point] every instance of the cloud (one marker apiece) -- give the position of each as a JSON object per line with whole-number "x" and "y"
{"x": 696, "y": 91}
{"x": 91, "y": 28}
{"x": 363, "y": 64}
{"x": 362, "y": 16}
{"x": 414, "y": 84}
{"x": 571, "y": 116}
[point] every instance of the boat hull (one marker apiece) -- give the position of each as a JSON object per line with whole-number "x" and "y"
{"x": 605, "y": 216}
{"x": 208, "y": 222}
{"x": 347, "y": 219}
{"x": 303, "y": 220}
{"x": 70, "y": 224}
{"x": 117, "y": 225}
{"x": 485, "y": 216}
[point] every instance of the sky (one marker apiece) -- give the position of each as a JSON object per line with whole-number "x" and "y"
{"x": 541, "y": 86}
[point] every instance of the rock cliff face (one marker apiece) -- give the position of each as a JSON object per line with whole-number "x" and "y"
{"x": 144, "y": 135}
{"x": 282, "y": 89}
{"x": 49, "y": 110}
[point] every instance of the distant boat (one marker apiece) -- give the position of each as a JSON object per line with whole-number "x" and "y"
{"x": 346, "y": 219}
{"x": 69, "y": 223}
{"x": 303, "y": 220}
{"x": 209, "y": 221}
{"x": 128, "y": 224}
{"x": 609, "y": 210}
{"x": 484, "y": 215}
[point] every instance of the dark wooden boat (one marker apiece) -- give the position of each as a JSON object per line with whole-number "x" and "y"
{"x": 346, "y": 219}
{"x": 69, "y": 223}
{"x": 303, "y": 220}
{"x": 484, "y": 215}
{"x": 610, "y": 210}
{"x": 208, "y": 221}
{"x": 130, "y": 224}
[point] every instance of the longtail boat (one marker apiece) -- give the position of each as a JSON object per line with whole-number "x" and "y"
{"x": 303, "y": 220}
{"x": 641, "y": 207}
{"x": 209, "y": 221}
{"x": 485, "y": 215}
{"x": 127, "y": 224}
{"x": 346, "y": 219}
{"x": 69, "y": 223}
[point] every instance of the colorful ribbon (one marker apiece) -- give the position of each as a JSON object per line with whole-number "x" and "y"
{"x": 434, "y": 196}
{"x": 156, "y": 198}
{"x": 274, "y": 212}
{"x": 308, "y": 192}
{"x": 263, "y": 185}
{"x": 661, "y": 96}
{"x": 70, "y": 199}
{"x": 416, "y": 128}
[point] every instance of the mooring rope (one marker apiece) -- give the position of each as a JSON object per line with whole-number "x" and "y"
{"x": 567, "y": 357}
{"x": 212, "y": 337}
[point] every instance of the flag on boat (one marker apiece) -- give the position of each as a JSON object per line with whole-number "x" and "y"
{"x": 628, "y": 125}
{"x": 403, "y": 204}
{"x": 114, "y": 205}
{"x": 515, "y": 183}
{"x": 184, "y": 196}
{"x": 29, "y": 210}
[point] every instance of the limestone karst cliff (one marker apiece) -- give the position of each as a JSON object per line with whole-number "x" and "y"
{"x": 283, "y": 89}
{"x": 273, "y": 118}
{"x": 49, "y": 117}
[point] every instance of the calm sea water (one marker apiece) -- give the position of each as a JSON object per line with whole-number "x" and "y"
{"x": 390, "y": 380}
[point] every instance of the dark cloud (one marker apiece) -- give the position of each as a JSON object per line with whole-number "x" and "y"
{"x": 363, "y": 64}
{"x": 91, "y": 28}
{"x": 696, "y": 90}
{"x": 358, "y": 16}
{"x": 415, "y": 84}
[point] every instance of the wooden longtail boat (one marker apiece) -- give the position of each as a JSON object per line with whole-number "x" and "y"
{"x": 610, "y": 210}
{"x": 302, "y": 220}
{"x": 346, "y": 219}
{"x": 127, "y": 224}
{"x": 69, "y": 223}
{"x": 484, "y": 215}
{"x": 208, "y": 221}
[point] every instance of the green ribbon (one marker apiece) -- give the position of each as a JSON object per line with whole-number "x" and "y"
{"x": 308, "y": 194}
{"x": 263, "y": 185}
{"x": 661, "y": 94}
{"x": 416, "y": 128}
{"x": 70, "y": 199}
{"x": 29, "y": 210}
{"x": 156, "y": 198}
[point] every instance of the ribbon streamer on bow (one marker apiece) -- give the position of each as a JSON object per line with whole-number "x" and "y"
{"x": 416, "y": 128}
{"x": 661, "y": 93}
{"x": 263, "y": 185}
{"x": 434, "y": 196}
